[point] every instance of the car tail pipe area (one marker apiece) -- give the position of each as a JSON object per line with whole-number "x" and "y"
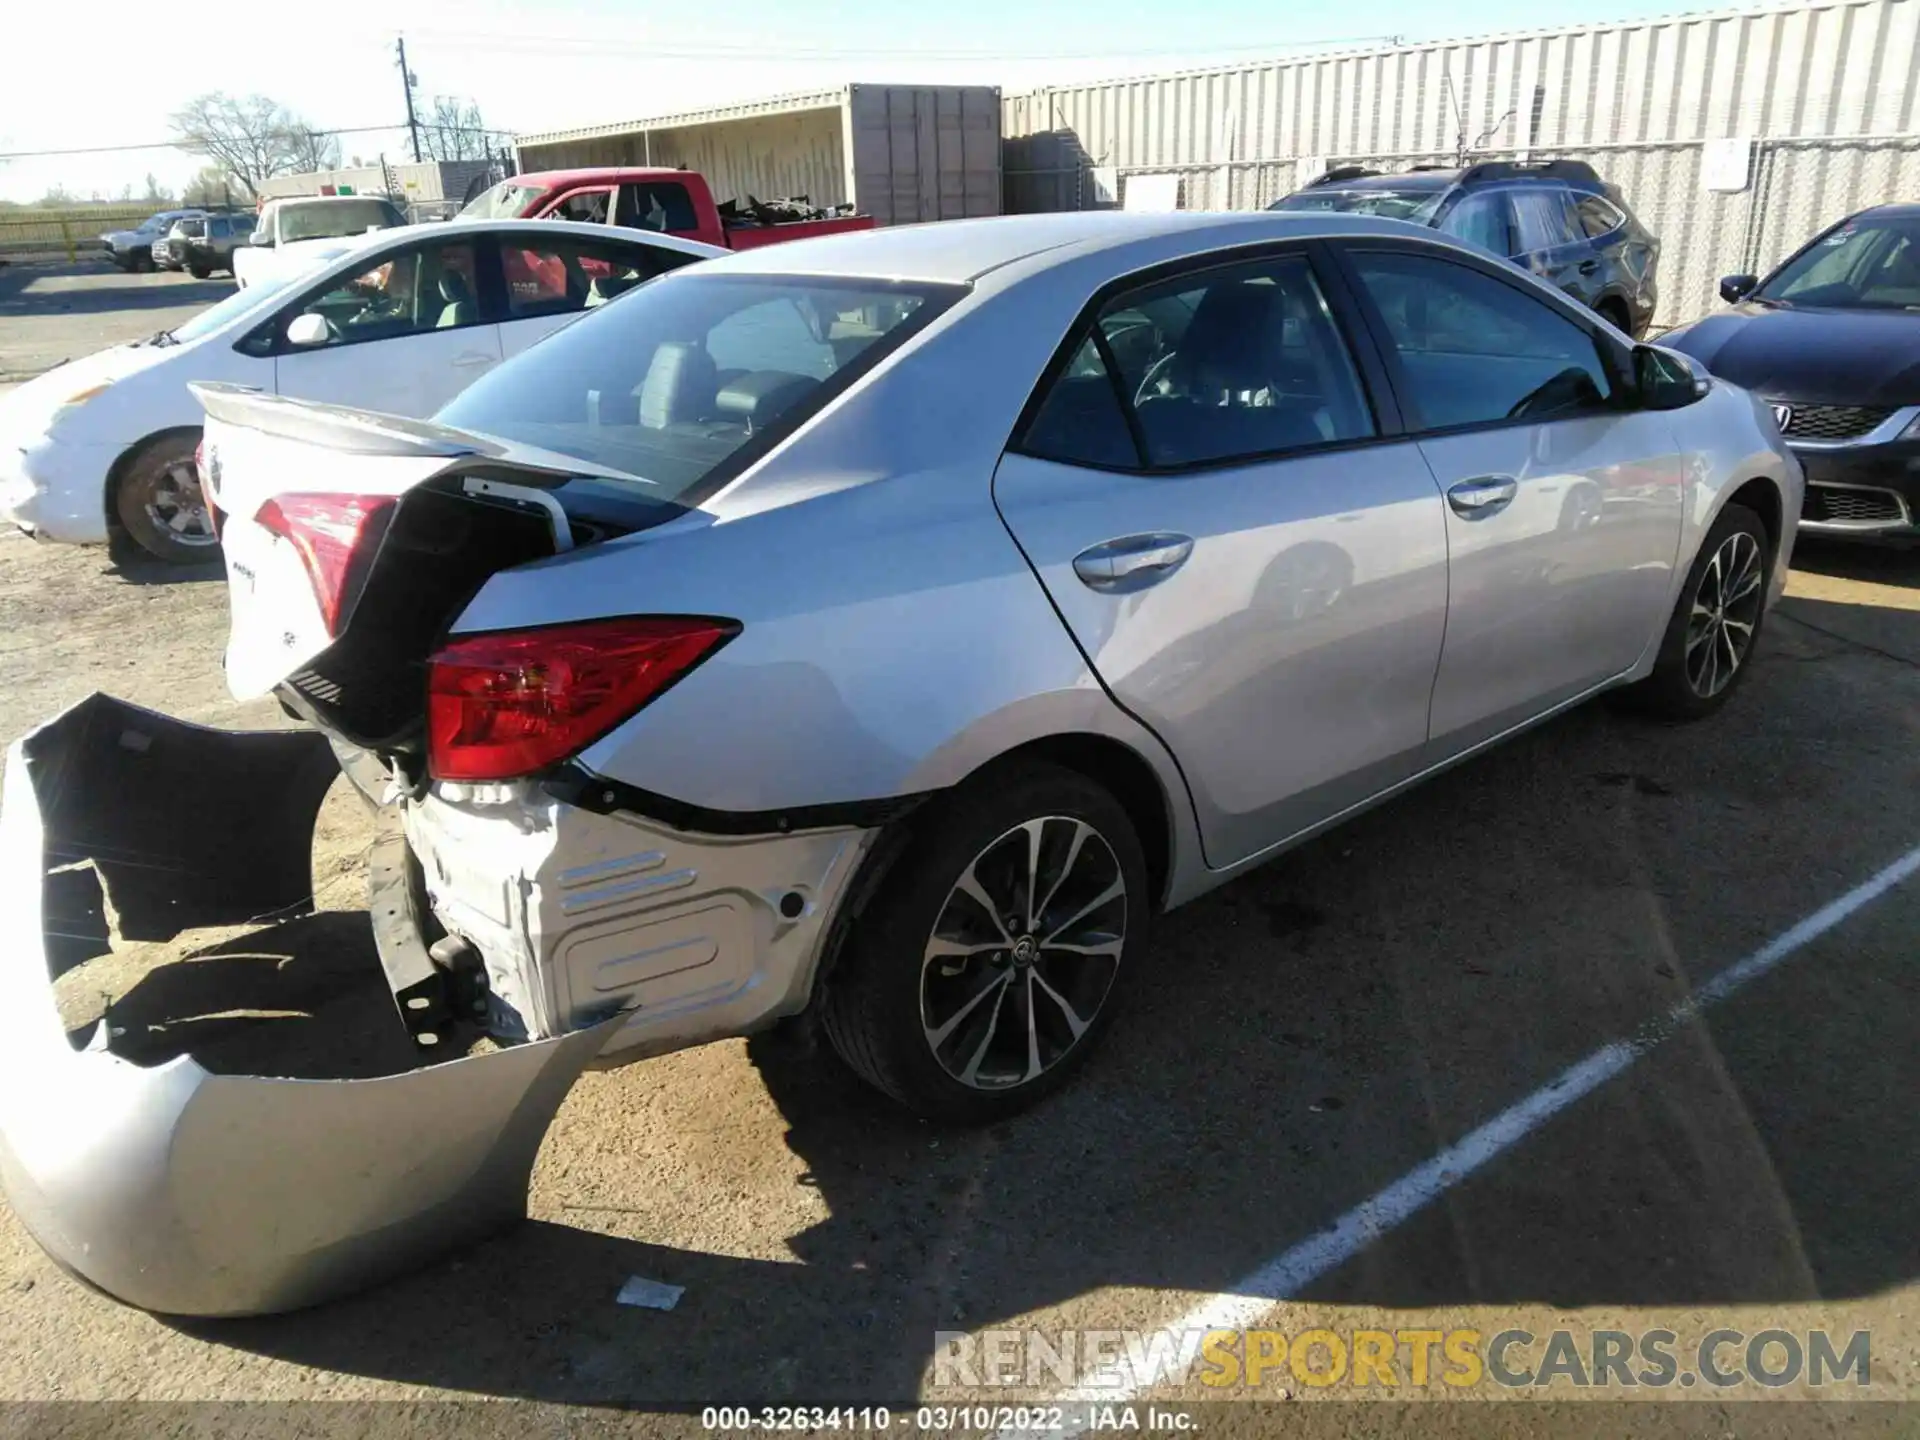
{"x": 217, "y": 1140}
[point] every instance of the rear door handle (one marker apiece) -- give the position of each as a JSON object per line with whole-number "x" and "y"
{"x": 473, "y": 359}
{"x": 1587, "y": 267}
{"x": 1133, "y": 562}
{"x": 1483, "y": 496}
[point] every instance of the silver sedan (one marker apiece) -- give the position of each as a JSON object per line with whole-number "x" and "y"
{"x": 889, "y": 626}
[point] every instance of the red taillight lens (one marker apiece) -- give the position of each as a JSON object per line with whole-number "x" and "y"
{"x": 504, "y": 705}
{"x": 336, "y": 536}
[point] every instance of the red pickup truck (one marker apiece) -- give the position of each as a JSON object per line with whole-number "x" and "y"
{"x": 675, "y": 202}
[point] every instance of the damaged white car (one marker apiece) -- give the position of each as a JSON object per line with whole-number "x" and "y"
{"x": 885, "y": 624}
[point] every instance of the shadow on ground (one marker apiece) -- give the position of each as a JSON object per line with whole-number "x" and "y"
{"x": 43, "y": 291}
{"x": 1307, "y": 1035}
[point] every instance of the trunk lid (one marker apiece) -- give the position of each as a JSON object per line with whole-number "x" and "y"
{"x": 354, "y": 539}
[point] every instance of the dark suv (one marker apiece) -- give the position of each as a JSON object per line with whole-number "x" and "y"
{"x": 1555, "y": 218}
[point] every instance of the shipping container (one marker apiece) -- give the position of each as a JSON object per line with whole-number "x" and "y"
{"x": 900, "y": 153}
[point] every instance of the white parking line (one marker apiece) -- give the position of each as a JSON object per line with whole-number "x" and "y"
{"x": 1294, "y": 1269}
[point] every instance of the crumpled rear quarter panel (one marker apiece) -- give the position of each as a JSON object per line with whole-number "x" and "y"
{"x": 185, "y": 1191}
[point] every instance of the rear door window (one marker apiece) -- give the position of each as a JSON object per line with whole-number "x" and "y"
{"x": 1599, "y": 216}
{"x": 1544, "y": 218}
{"x": 1232, "y": 364}
{"x": 560, "y": 275}
{"x": 1481, "y": 219}
{"x": 662, "y": 205}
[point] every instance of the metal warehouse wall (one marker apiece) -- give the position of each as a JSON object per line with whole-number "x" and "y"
{"x": 1831, "y": 92}
{"x": 764, "y": 155}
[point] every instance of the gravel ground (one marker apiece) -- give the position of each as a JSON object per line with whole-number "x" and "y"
{"x": 1301, "y": 1039}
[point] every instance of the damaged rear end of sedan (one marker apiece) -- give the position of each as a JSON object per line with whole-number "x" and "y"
{"x": 451, "y": 620}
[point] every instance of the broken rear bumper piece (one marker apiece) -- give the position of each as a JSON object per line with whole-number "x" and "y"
{"x": 167, "y": 1184}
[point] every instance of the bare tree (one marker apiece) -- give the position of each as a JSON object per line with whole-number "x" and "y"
{"x": 156, "y": 193}
{"x": 252, "y": 137}
{"x": 453, "y": 130}
{"x": 212, "y": 186}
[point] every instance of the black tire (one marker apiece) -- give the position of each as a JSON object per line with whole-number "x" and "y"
{"x": 199, "y": 272}
{"x": 142, "y": 263}
{"x": 874, "y": 1008}
{"x": 1674, "y": 691}
{"x": 152, "y": 490}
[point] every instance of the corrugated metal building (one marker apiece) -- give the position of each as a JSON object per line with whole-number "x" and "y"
{"x": 901, "y": 153}
{"x": 1828, "y": 94}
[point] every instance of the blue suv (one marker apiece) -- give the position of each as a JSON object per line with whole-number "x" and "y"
{"x": 1555, "y": 218}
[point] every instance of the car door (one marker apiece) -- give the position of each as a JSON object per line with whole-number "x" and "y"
{"x": 404, "y": 335}
{"x": 551, "y": 277}
{"x": 1249, "y": 554}
{"x": 1551, "y": 242}
{"x": 1564, "y": 501}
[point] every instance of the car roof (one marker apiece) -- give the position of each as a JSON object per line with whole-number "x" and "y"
{"x": 1404, "y": 180}
{"x": 1899, "y": 210}
{"x": 407, "y": 234}
{"x": 548, "y": 179}
{"x": 961, "y": 251}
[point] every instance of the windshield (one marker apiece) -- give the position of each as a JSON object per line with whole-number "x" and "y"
{"x": 331, "y": 219}
{"x": 689, "y": 378}
{"x": 505, "y": 201}
{"x": 1415, "y": 205}
{"x": 1864, "y": 265}
{"x": 215, "y": 317}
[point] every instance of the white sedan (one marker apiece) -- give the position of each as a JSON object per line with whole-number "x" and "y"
{"x": 401, "y": 322}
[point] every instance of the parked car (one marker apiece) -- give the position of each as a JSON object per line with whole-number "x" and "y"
{"x": 1556, "y": 218}
{"x": 673, "y": 202}
{"x": 133, "y": 249}
{"x": 292, "y": 235}
{"x": 403, "y": 320}
{"x": 202, "y": 244}
{"x": 1026, "y": 700}
{"x": 892, "y": 623}
{"x": 1831, "y": 339}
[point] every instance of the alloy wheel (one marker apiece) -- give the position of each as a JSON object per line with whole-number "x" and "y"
{"x": 1024, "y": 953}
{"x": 176, "y": 506}
{"x": 1725, "y": 609}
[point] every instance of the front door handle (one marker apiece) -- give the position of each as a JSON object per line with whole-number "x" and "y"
{"x": 1483, "y": 496}
{"x": 473, "y": 359}
{"x": 1587, "y": 267}
{"x": 1133, "y": 562}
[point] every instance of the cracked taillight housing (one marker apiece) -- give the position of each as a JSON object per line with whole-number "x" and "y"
{"x": 513, "y": 703}
{"x": 336, "y": 537}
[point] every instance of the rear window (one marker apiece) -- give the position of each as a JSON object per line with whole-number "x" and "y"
{"x": 690, "y": 379}
{"x": 332, "y": 219}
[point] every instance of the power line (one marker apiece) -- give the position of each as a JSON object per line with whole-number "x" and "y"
{"x": 684, "y": 50}
{"x": 187, "y": 148}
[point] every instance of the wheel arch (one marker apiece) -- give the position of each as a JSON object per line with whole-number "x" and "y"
{"x": 1123, "y": 773}
{"x": 124, "y": 461}
{"x": 1762, "y": 496}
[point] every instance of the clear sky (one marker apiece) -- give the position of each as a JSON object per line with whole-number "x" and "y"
{"x": 107, "y": 72}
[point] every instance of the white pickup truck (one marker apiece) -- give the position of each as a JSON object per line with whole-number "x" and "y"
{"x": 295, "y": 234}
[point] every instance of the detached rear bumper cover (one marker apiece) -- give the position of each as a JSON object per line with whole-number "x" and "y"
{"x": 174, "y": 1188}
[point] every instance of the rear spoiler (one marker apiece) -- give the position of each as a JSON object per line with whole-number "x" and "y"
{"x": 338, "y": 427}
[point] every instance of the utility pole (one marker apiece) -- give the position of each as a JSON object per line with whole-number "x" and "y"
{"x": 406, "y": 79}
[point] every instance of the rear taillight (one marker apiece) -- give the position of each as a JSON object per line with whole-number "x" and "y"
{"x": 510, "y": 704}
{"x": 336, "y": 536}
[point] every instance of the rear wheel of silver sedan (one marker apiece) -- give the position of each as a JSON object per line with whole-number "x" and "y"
{"x": 1708, "y": 646}
{"x": 992, "y": 958}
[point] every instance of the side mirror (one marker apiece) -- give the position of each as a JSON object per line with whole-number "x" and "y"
{"x": 1735, "y": 288}
{"x": 1668, "y": 380}
{"x": 308, "y": 330}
